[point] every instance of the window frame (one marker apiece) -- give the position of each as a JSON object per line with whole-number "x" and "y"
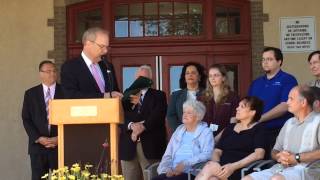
{"x": 158, "y": 37}
{"x": 243, "y": 6}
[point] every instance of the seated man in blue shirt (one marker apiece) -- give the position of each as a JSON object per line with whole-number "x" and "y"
{"x": 273, "y": 88}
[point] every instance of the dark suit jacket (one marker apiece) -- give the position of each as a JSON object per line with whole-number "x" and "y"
{"x": 175, "y": 110}
{"x": 78, "y": 82}
{"x": 34, "y": 117}
{"x": 153, "y": 139}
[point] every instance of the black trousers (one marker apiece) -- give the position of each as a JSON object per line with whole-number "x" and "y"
{"x": 271, "y": 137}
{"x": 183, "y": 176}
{"x": 41, "y": 163}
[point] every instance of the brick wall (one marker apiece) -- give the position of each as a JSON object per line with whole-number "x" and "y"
{"x": 60, "y": 31}
{"x": 257, "y": 39}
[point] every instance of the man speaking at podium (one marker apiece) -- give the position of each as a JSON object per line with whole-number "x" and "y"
{"x": 88, "y": 76}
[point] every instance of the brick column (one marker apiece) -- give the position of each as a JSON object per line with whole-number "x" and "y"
{"x": 257, "y": 38}
{"x": 59, "y": 53}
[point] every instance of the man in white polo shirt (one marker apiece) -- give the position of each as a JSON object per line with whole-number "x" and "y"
{"x": 298, "y": 142}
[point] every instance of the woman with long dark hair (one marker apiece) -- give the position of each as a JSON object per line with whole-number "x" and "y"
{"x": 192, "y": 83}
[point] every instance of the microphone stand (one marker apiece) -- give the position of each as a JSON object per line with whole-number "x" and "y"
{"x": 103, "y": 161}
{"x": 109, "y": 74}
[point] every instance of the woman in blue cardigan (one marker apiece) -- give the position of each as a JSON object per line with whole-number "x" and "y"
{"x": 191, "y": 143}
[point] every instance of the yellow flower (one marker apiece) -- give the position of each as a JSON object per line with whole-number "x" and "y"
{"x": 71, "y": 177}
{"x": 85, "y": 173}
{"x": 104, "y": 175}
{"x": 87, "y": 166}
{"x": 75, "y": 165}
{"x": 55, "y": 171}
{"x": 77, "y": 169}
{"x": 44, "y": 176}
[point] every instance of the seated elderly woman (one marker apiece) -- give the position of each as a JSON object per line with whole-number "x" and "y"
{"x": 241, "y": 143}
{"x": 191, "y": 143}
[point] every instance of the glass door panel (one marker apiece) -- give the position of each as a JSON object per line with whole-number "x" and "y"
{"x": 239, "y": 72}
{"x": 175, "y": 72}
{"x": 128, "y": 76}
{"x": 125, "y": 68}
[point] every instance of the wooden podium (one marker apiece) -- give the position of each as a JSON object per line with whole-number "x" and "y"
{"x": 87, "y": 111}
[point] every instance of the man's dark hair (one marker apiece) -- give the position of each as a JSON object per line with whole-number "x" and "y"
{"x": 200, "y": 69}
{"x": 45, "y": 62}
{"x": 308, "y": 93}
{"x": 277, "y": 53}
{"x": 312, "y": 54}
{"x": 316, "y": 92}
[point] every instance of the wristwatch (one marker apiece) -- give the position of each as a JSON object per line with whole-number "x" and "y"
{"x": 297, "y": 157}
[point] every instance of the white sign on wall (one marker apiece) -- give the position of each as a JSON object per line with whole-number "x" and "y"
{"x": 298, "y": 34}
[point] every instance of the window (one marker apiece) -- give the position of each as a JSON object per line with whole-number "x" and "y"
{"x": 227, "y": 21}
{"x": 129, "y": 76}
{"x": 158, "y": 19}
{"x": 121, "y": 22}
{"x": 86, "y": 20}
{"x": 175, "y": 72}
{"x": 233, "y": 74}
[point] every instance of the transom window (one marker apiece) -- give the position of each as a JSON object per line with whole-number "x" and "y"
{"x": 158, "y": 19}
{"x": 227, "y": 21}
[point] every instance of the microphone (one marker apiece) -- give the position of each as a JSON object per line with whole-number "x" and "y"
{"x": 110, "y": 80}
{"x": 109, "y": 74}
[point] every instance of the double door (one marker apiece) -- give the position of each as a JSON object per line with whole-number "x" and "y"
{"x": 167, "y": 70}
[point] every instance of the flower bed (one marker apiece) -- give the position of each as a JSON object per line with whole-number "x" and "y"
{"x": 76, "y": 173}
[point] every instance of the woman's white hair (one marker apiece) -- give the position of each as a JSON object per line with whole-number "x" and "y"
{"x": 197, "y": 106}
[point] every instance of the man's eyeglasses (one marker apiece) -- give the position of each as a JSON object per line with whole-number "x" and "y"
{"x": 101, "y": 46}
{"x": 49, "y": 71}
{"x": 267, "y": 59}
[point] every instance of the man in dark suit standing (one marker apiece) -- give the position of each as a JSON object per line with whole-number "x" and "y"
{"x": 143, "y": 135}
{"x": 90, "y": 76}
{"x": 42, "y": 136}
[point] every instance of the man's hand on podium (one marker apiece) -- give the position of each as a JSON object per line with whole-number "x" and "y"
{"x": 113, "y": 94}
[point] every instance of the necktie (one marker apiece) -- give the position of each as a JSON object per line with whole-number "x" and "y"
{"x": 317, "y": 83}
{"x": 96, "y": 76}
{"x": 47, "y": 99}
{"x": 140, "y": 103}
{"x": 141, "y": 99}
